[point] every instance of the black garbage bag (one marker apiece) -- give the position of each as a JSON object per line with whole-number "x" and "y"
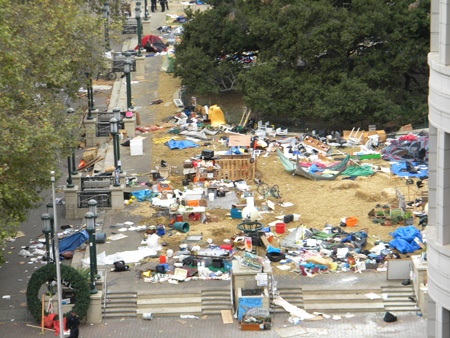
{"x": 389, "y": 317}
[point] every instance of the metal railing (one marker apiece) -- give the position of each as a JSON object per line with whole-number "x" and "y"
{"x": 103, "y": 198}
{"x": 96, "y": 183}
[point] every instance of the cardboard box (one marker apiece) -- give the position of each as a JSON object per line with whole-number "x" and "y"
{"x": 123, "y": 132}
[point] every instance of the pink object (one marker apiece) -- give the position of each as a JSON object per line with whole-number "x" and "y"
{"x": 129, "y": 114}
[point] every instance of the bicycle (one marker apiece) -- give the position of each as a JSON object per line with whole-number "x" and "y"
{"x": 265, "y": 190}
{"x": 110, "y": 75}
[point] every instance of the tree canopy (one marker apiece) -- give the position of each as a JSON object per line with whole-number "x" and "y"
{"x": 47, "y": 49}
{"x": 331, "y": 60}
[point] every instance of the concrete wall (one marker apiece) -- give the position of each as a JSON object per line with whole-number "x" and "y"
{"x": 438, "y": 231}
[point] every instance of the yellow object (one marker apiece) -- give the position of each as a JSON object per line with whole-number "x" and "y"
{"x": 147, "y": 273}
{"x": 333, "y": 266}
{"x": 215, "y": 114}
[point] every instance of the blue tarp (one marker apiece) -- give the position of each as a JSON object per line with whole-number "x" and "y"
{"x": 172, "y": 144}
{"x": 313, "y": 168}
{"x": 404, "y": 239}
{"x": 73, "y": 241}
{"x": 140, "y": 194}
{"x": 396, "y": 169}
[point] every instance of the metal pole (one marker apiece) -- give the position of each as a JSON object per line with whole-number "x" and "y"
{"x": 119, "y": 163}
{"x": 89, "y": 117}
{"x": 92, "y": 93}
{"x": 52, "y": 231}
{"x": 47, "y": 246}
{"x": 128, "y": 78}
{"x": 145, "y": 11}
{"x": 74, "y": 169}
{"x": 69, "y": 179}
{"x": 139, "y": 36}
{"x": 58, "y": 268}
{"x": 91, "y": 261}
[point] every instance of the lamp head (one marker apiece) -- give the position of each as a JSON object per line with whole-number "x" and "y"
{"x": 90, "y": 222}
{"x": 46, "y": 223}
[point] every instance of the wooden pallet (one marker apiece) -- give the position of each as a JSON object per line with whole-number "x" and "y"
{"x": 236, "y": 167}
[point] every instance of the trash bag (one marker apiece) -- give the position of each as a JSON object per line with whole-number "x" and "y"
{"x": 120, "y": 266}
{"x": 389, "y": 318}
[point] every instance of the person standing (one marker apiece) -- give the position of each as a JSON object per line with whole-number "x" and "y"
{"x": 163, "y": 4}
{"x": 72, "y": 323}
{"x": 153, "y": 6}
{"x": 166, "y": 2}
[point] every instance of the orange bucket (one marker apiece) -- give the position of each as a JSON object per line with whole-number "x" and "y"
{"x": 351, "y": 221}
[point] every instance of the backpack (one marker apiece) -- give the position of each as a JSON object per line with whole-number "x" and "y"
{"x": 120, "y": 266}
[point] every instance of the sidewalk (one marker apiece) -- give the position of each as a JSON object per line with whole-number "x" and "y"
{"x": 360, "y": 326}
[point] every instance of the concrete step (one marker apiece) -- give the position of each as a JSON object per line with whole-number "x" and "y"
{"x": 346, "y": 297}
{"x": 122, "y": 301}
{"x": 169, "y": 301}
{"x": 216, "y": 307}
{"x": 118, "y": 315}
{"x": 164, "y": 311}
{"x": 398, "y": 294}
{"x": 339, "y": 291}
{"x": 216, "y": 299}
{"x": 120, "y": 311}
{"x": 121, "y": 306}
{"x": 345, "y": 307}
{"x": 120, "y": 296}
{"x": 150, "y": 295}
{"x": 402, "y": 308}
{"x": 398, "y": 299}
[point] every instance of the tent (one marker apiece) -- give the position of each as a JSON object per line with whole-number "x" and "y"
{"x": 152, "y": 43}
{"x": 328, "y": 173}
{"x": 215, "y": 114}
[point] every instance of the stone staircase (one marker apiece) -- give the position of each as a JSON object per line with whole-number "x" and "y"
{"x": 215, "y": 300}
{"x": 387, "y": 298}
{"x": 397, "y": 298}
{"x": 120, "y": 304}
{"x": 169, "y": 304}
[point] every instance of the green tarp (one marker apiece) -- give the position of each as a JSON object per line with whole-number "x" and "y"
{"x": 357, "y": 171}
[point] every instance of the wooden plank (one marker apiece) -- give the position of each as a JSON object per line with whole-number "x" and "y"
{"x": 90, "y": 163}
{"x": 227, "y": 318}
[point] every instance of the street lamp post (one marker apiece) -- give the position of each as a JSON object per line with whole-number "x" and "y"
{"x": 70, "y": 113}
{"x": 105, "y": 15}
{"x": 138, "y": 19}
{"x": 127, "y": 71}
{"x": 113, "y": 128}
{"x": 46, "y": 229}
{"x": 92, "y": 204}
{"x": 52, "y": 228}
{"x": 90, "y": 226}
{"x": 56, "y": 253}
{"x": 90, "y": 107}
{"x": 145, "y": 11}
{"x": 117, "y": 116}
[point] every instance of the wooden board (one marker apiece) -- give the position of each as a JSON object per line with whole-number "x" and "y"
{"x": 227, "y": 317}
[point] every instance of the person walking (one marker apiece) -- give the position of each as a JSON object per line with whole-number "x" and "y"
{"x": 167, "y": 4}
{"x": 72, "y": 323}
{"x": 153, "y": 6}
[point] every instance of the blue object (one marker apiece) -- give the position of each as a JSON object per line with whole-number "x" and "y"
{"x": 272, "y": 249}
{"x": 397, "y": 167}
{"x": 404, "y": 239}
{"x": 313, "y": 168}
{"x": 236, "y": 213}
{"x": 172, "y": 144}
{"x": 72, "y": 242}
{"x": 140, "y": 194}
{"x": 266, "y": 229}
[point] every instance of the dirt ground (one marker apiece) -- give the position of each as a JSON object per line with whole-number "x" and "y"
{"x": 317, "y": 202}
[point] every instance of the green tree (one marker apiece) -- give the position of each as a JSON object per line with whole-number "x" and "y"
{"x": 46, "y": 50}
{"x": 337, "y": 61}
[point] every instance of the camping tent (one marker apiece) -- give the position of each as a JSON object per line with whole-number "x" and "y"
{"x": 152, "y": 43}
{"x": 215, "y": 114}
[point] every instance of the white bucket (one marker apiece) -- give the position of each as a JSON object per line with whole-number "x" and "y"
{"x": 147, "y": 316}
{"x": 211, "y": 196}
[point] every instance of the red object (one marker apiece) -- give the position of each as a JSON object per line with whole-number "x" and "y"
{"x": 56, "y": 326}
{"x": 82, "y": 164}
{"x": 179, "y": 218}
{"x": 196, "y": 163}
{"x": 162, "y": 259}
{"x": 279, "y": 228}
{"x": 195, "y": 216}
{"x": 226, "y": 247}
{"x": 152, "y": 42}
{"x": 48, "y": 320}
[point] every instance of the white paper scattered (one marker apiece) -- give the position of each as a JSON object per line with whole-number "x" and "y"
{"x": 117, "y": 237}
{"x": 6, "y": 297}
{"x": 287, "y": 204}
{"x": 283, "y": 267}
